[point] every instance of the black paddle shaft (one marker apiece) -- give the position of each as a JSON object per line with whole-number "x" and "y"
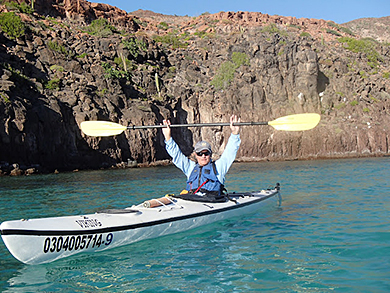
{"x": 197, "y": 125}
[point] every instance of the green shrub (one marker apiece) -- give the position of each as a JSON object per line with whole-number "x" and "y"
{"x": 333, "y": 32}
{"x": 186, "y": 36}
{"x": 124, "y": 63}
{"x": 170, "y": 39}
{"x": 273, "y": 29}
{"x": 295, "y": 26}
{"x": 363, "y": 74}
{"x": 225, "y": 73}
{"x": 366, "y": 46}
{"x": 338, "y": 27}
{"x": 53, "y": 84}
{"x": 340, "y": 106}
{"x": 134, "y": 46}
{"x": 102, "y": 92}
{"x": 200, "y": 34}
{"x": 224, "y": 76}
{"x": 386, "y": 74}
{"x": 5, "y": 97}
{"x": 22, "y": 7}
{"x": 113, "y": 73}
{"x": 81, "y": 55}
{"x": 101, "y": 27}
{"x": 346, "y": 30}
{"x": 57, "y": 68}
{"x": 366, "y": 110}
{"x": 240, "y": 59}
{"x": 140, "y": 23}
{"x": 305, "y": 34}
{"x": 374, "y": 100}
{"x": 354, "y": 103}
{"x": 12, "y": 25}
{"x": 56, "y": 47}
{"x": 163, "y": 25}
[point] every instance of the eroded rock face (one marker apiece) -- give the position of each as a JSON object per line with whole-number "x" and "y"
{"x": 47, "y": 92}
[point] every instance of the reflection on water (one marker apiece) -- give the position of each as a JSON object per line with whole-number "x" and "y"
{"x": 331, "y": 233}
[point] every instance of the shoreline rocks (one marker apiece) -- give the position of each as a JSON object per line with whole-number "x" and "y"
{"x": 60, "y": 74}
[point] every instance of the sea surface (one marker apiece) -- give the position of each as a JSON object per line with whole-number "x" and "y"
{"x": 331, "y": 233}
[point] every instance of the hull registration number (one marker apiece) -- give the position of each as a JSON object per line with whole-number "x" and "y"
{"x": 69, "y": 243}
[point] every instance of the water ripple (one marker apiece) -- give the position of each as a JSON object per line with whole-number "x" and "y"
{"x": 331, "y": 234}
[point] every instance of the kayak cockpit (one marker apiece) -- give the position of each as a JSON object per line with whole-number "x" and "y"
{"x": 118, "y": 211}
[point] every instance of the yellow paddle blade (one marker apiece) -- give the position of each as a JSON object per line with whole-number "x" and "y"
{"x": 297, "y": 122}
{"x": 101, "y": 128}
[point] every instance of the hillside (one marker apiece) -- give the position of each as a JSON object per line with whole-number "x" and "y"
{"x": 75, "y": 61}
{"x": 375, "y": 28}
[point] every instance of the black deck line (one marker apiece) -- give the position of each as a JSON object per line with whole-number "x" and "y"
{"x": 127, "y": 227}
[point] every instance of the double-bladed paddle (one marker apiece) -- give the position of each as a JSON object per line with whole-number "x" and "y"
{"x": 296, "y": 122}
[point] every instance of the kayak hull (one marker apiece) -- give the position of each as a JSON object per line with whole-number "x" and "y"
{"x": 37, "y": 241}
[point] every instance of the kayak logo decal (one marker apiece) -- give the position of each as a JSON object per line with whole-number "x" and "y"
{"x": 89, "y": 223}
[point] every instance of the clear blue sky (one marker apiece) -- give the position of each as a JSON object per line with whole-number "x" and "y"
{"x": 340, "y": 11}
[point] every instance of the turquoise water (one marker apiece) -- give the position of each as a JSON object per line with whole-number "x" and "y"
{"x": 331, "y": 234}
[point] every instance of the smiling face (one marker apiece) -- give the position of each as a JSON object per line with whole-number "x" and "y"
{"x": 203, "y": 157}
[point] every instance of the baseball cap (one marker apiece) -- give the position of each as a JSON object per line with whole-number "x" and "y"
{"x": 201, "y": 146}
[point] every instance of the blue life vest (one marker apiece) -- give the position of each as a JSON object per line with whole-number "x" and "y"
{"x": 207, "y": 175}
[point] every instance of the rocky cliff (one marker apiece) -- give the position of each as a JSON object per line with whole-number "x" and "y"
{"x": 75, "y": 61}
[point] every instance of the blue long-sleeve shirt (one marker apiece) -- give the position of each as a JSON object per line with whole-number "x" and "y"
{"x": 222, "y": 164}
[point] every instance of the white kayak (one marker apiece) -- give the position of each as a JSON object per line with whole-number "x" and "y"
{"x": 36, "y": 241}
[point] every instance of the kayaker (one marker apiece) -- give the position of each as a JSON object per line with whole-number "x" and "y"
{"x": 205, "y": 178}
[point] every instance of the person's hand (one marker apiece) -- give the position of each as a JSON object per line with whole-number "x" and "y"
{"x": 167, "y": 130}
{"x": 234, "y": 129}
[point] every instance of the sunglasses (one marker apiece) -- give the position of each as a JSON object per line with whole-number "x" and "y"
{"x": 207, "y": 153}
